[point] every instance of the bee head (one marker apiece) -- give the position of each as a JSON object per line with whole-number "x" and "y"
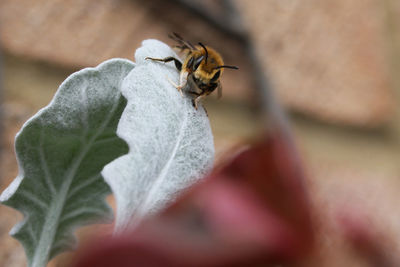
{"x": 207, "y": 64}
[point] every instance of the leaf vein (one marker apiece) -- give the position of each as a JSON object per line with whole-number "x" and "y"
{"x": 105, "y": 140}
{"x": 82, "y": 185}
{"x": 80, "y": 211}
{"x": 163, "y": 173}
{"x": 34, "y": 199}
{"x": 43, "y": 163}
{"x": 32, "y": 234}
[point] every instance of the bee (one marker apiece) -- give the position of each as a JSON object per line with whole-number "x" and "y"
{"x": 202, "y": 68}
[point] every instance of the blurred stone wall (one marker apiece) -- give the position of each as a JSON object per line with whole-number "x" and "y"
{"x": 325, "y": 59}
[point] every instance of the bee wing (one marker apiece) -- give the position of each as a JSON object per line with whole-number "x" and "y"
{"x": 219, "y": 90}
{"x": 182, "y": 44}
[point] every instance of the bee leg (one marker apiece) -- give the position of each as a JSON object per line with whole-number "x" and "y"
{"x": 178, "y": 64}
{"x": 219, "y": 88}
{"x": 196, "y": 101}
{"x": 182, "y": 81}
{"x": 175, "y": 85}
{"x": 193, "y": 93}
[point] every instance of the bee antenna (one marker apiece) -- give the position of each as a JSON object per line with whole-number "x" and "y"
{"x": 205, "y": 49}
{"x": 227, "y": 67}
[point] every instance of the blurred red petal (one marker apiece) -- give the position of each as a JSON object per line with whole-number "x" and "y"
{"x": 252, "y": 211}
{"x": 366, "y": 238}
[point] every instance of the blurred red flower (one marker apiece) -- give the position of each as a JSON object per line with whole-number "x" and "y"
{"x": 252, "y": 211}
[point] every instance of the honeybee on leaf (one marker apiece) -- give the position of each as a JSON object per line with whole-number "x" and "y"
{"x": 202, "y": 68}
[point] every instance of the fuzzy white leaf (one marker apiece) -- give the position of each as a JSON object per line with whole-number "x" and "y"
{"x": 171, "y": 144}
{"x": 61, "y": 152}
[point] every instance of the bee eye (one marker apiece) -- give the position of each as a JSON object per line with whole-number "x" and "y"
{"x": 190, "y": 63}
{"x": 216, "y": 76}
{"x": 197, "y": 62}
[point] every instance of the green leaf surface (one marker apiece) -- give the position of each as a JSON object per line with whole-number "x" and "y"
{"x": 171, "y": 145}
{"x": 61, "y": 151}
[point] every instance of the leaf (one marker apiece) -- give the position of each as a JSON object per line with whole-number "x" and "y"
{"x": 60, "y": 152}
{"x": 171, "y": 144}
